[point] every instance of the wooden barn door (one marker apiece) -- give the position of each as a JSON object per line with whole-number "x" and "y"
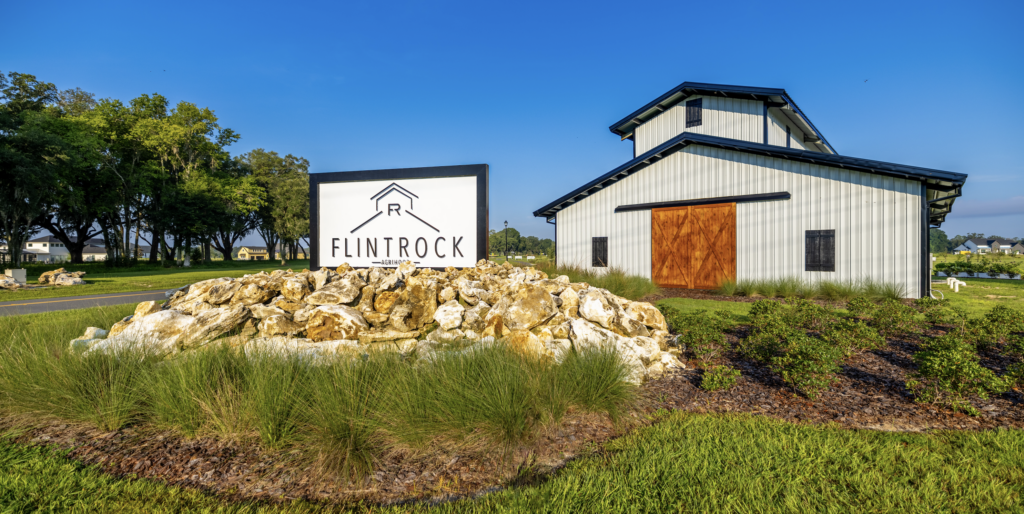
{"x": 693, "y": 247}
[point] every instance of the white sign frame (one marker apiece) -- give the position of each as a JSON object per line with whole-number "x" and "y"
{"x": 445, "y": 224}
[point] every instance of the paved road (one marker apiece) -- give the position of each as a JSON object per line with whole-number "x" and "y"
{"x": 18, "y": 307}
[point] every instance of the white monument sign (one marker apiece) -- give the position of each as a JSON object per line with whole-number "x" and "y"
{"x": 434, "y": 217}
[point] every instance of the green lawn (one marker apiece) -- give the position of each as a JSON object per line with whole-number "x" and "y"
{"x": 981, "y": 294}
{"x": 101, "y": 279}
{"x": 686, "y": 462}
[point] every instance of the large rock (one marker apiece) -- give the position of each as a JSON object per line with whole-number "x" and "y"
{"x": 302, "y": 349}
{"x": 8, "y": 283}
{"x": 47, "y": 277}
{"x": 528, "y": 307}
{"x": 385, "y": 301}
{"x": 475, "y": 317}
{"x": 586, "y": 335}
{"x": 67, "y": 280}
{"x": 322, "y": 277}
{"x": 449, "y": 315}
{"x": 335, "y": 293}
{"x": 294, "y": 289}
{"x": 570, "y": 303}
{"x": 279, "y": 325}
{"x": 594, "y": 307}
{"x": 145, "y": 309}
{"x": 415, "y": 306}
{"x": 526, "y": 343}
{"x": 211, "y": 324}
{"x": 330, "y": 322}
{"x": 222, "y": 293}
{"x": 647, "y": 314}
{"x": 161, "y": 332}
{"x": 265, "y": 311}
{"x": 252, "y": 294}
{"x": 197, "y": 291}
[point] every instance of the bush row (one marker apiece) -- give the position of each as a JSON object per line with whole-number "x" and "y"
{"x": 805, "y": 344}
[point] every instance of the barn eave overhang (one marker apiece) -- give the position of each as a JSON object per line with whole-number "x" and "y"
{"x": 774, "y": 97}
{"x": 942, "y": 187}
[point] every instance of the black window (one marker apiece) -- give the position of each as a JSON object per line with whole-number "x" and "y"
{"x": 789, "y": 136}
{"x": 820, "y": 250}
{"x": 693, "y": 112}
{"x": 599, "y": 252}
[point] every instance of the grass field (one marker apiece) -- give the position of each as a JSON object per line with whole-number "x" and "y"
{"x": 685, "y": 462}
{"x": 101, "y": 279}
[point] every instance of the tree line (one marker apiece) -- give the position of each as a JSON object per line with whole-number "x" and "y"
{"x": 941, "y": 243}
{"x": 518, "y": 244}
{"x": 138, "y": 171}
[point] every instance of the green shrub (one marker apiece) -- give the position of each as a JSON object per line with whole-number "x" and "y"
{"x": 895, "y": 320}
{"x": 948, "y": 371}
{"x": 853, "y": 336}
{"x": 861, "y": 306}
{"x": 700, "y": 331}
{"x": 717, "y": 378}
{"x": 808, "y": 364}
{"x": 769, "y": 329}
{"x": 927, "y": 304}
{"x": 809, "y": 315}
{"x": 1015, "y": 374}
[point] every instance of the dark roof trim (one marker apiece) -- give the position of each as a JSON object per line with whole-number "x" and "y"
{"x": 784, "y": 195}
{"x": 774, "y": 96}
{"x": 937, "y": 180}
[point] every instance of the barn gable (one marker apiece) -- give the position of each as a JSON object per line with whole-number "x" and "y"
{"x": 753, "y": 114}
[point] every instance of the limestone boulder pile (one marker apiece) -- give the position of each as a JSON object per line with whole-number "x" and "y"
{"x": 62, "y": 277}
{"x": 347, "y": 311}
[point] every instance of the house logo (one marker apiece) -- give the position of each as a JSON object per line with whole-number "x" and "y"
{"x": 435, "y": 217}
{"x": 397, "y": 203}
{"x": 393, "y": 201}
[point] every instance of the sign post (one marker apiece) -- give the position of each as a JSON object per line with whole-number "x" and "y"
{"x": 435, "y": 217}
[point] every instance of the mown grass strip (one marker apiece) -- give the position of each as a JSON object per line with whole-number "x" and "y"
{"x": 693, "y": 463}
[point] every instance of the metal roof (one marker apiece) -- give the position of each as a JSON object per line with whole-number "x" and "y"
{"x": 943, "y": 186}
{"x": 775, "y": 97}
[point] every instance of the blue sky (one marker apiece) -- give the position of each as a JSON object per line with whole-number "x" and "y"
{"x": 530, "y": 88}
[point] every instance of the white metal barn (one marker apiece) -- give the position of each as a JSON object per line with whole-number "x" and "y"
{"x": 735, "y": 182}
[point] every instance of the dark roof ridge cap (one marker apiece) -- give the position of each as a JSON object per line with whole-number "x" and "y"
{"x": 837, "y": 161}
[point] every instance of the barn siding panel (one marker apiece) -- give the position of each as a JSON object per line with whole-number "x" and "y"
{"x": 876, "y": 218}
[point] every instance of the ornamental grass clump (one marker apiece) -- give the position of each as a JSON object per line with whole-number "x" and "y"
{"x": 948, "y": 372}
{"x": 341, "y": 412}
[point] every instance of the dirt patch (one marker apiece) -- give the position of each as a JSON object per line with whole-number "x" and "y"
{"x": 869, "y": 394}
{"x": 245, "y": 471}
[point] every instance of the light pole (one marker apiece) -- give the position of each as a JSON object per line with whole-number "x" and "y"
{"x": 506, "y": 240}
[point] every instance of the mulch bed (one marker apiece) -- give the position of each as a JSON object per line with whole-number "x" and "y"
{"x": 869, "y": 394}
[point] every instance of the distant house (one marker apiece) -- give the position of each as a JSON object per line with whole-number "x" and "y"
{"x": 253, "y": 253}
{"x": 984, "y": 245}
